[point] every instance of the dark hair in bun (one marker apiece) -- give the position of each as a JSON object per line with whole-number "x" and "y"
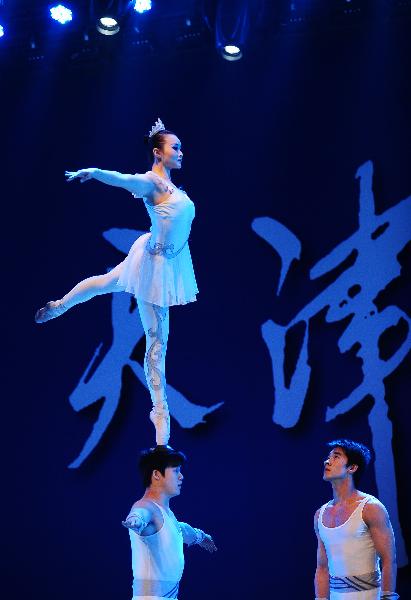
{"x": 156, "y": 141}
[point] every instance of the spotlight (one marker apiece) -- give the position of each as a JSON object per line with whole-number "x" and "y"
{"x": 109, "y": 15}
{"x": 232, "y": 25}
{"x": 108, "y": 26}
{"x": 61, "y": 14}
{"x": 142, "y": 6}
{"x": 2, "y": 32}
{"x": 231, "y": 52}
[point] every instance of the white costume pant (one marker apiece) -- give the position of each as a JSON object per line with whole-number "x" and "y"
{"x": 155, "y": 321}
{"x": 364, "y": 595}
{"x": 151, "y": 598}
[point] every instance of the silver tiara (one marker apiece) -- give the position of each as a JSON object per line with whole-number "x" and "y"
{"x": 158, "y": 126}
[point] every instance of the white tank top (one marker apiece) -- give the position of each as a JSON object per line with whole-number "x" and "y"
{"x": 158, "y": 559}
{"x": 350, "y": 549}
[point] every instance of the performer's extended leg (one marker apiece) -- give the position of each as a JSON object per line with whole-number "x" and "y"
{"x": 155, "y": 320}
{"x": 83, "y": 291}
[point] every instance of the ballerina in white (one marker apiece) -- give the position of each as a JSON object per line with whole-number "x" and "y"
{"x": 157, "y": 270}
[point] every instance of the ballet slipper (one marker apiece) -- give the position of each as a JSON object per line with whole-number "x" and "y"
{"x": 161, "y": 420}
{"x": 52, "y": 310}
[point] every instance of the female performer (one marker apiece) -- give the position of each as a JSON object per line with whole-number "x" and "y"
{"x": 157, "y": 270}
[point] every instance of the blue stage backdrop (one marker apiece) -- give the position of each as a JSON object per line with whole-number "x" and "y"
{"x": 298, "y": 160}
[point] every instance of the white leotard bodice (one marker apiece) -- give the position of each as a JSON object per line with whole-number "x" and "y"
{"x": 170, "y": 222}
{"x": 158, "y": 268}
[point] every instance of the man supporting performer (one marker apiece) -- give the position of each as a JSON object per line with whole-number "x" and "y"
{"x": 156, "y": 536}
{"x": 354, "y": 533}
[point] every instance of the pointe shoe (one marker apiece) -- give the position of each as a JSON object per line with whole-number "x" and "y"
{"x": 52, "y": 310}
{"x": 161, "y": 421}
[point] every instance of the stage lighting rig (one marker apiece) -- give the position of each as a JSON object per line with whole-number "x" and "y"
{"x": 142, "y": 6}
{"x": 231, "y": 52}
{"x": 232, "y": 21}
{"x": 108, "y": 25}
{"x": 61, "y": 14}
{"x": 232, "y": 27}
{"x": 2, "y": 19}
{"x": 108, "y": 15}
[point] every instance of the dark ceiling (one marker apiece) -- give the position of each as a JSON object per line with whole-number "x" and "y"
{"x": 171, "y": 25}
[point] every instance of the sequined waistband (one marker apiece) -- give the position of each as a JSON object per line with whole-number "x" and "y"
{"x": 166, "y": 250}
{"x": 355, "y": 583}
{"x": 148, "y": 587}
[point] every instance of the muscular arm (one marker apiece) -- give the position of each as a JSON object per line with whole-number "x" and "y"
{"x": 192, "y": 535}
{"x": 321, "y": 579}
{"x": 376, "y": 518}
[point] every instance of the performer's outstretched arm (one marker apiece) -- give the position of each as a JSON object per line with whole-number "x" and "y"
{"x": 141, "y": 185}
{"x": 138, "y": 519}
{"x": 192, "y": 535}
{"x": 321, "y": 579}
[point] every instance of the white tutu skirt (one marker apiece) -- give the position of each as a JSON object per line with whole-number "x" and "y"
{"x": 157, "y": 279}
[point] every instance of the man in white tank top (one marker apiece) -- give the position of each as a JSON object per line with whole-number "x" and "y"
{"x": 156, "y": 536}
{"x": 356, "y": 548}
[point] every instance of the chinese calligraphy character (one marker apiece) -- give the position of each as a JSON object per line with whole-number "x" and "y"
{"x": 375, "y": 247}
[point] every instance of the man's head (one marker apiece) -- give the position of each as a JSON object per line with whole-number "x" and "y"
{"x": 160, "y": 469}
{"x": 346, "y": 459}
